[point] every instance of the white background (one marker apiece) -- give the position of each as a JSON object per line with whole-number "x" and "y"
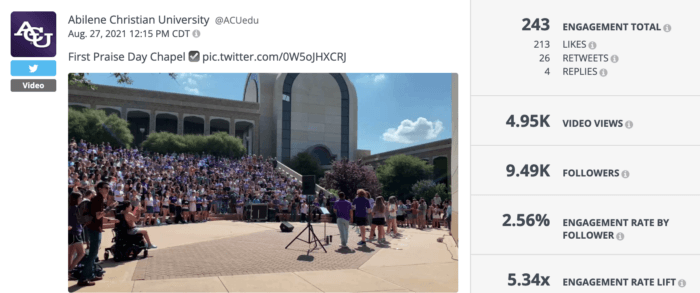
{"x": 655, "y": 85}
{"x": 378, "y": 36}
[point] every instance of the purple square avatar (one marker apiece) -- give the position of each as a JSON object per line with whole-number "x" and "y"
{"x": 33, "y": 34}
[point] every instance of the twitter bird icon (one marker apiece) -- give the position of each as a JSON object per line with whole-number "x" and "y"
{"x": 33, "y": 67}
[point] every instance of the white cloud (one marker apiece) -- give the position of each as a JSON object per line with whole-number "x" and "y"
{"x": 194, "y": 75}
{"x": 194, "y": 91}
{"x": 371, "y": 78}
{"x": 410, "y": 131}
{"x": 192, "y": 81}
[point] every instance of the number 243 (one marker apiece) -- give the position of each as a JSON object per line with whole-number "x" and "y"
{"x": 544, "y": 25}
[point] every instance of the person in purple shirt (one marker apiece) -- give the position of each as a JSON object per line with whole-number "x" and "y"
{"x": 342, "y": 209}
{"x": 361, "y": 205}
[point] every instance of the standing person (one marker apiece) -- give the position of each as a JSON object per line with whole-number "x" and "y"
{"x": 165, "y": 207}
{"x": 156, "y": 212}
{"x": 205, "y": 208}
{"x": 304, "y": 211}
{"x": 436, "y": 216}
{"x": 437, "y": 200}
{"x": 391, "y": 225}
{"x": 361, "y": 206}
{"x": 342, "y": 209}
{"x": 369, "y": 215}
{"x": 414, "y": 211}
{"x": 400, "y": 216}
{"x": 75, "y": 234}
{"x": 93, "y": 230}
{"x": 448, "y": 216}
{"x": 294, "y": 208}
{"x": 193, "y": 207}
{"x": 149, "y": 209}
{"x": 135, "y": 203}
{"x": 422, "y": 208}
{"x": 409, "y": 213}
{"x": 378, "y": 220}
{"x": 185, "y": 205}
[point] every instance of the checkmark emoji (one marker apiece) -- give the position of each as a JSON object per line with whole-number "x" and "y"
{"x": 194, "y": 56}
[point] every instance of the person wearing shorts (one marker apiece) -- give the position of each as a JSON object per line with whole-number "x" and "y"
{"x": 199, "y": 207}
{"x": 165, "y": 207}
{"x": 361, "y": 206}
{"x": 75, "y": 234}
{"x": 378, "y": 219}
{"x": 391, "y": 223}
{"x": 400, "y": 216}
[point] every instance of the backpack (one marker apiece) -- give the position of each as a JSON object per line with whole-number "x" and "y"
{"x": 83, "y": 213}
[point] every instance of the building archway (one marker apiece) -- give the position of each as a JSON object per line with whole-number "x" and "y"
{"x": 287, "y": 96}
{"x": 322, "y": 154}
{"x": 138, "y": 120}
{"x": 244, "y": 131}
{"x": 166, "y": 122}
{"x": 111, "y": 110}
{"x": 193, "y": 125}
{"x": 219, "y": 125}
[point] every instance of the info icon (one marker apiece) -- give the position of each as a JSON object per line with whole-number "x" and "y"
{"x": 33, "y": 34}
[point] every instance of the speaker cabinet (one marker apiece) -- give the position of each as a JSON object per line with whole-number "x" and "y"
{"x": 308, "y": 183}
{"x": 286, "y": 227}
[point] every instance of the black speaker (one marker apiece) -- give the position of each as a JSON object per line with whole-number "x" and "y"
{"x": 286, "y": 227}
{"x": 308, "y": 183}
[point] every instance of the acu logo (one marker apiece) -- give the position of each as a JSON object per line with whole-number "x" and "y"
{"x": 33, "y": 34}
{"x": 30, "y": 34}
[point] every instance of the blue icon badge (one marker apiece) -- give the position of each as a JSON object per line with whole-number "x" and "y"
{"x": 33, "y": 67}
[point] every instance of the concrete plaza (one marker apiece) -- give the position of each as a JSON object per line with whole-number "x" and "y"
{"x": 226, "y": 256}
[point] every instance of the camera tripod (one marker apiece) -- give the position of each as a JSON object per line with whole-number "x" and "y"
{"x": 311, "y": 233}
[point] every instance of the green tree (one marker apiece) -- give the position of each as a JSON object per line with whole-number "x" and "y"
{"x": 426, "y": 189}
{"x": 94, "y": 126}
{"x": 306, "y": 164}
{"x": 398, "y": 174}
{"x": 218, "y": 144}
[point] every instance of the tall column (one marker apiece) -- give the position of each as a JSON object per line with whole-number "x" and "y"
{"x": 207, "y": 128}
{"x": 231, "y": 127}
{"x": 180, "y": 124}
{"x": 152, "y": 122}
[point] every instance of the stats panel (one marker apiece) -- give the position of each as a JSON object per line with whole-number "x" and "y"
{"x": 584, "y": 146}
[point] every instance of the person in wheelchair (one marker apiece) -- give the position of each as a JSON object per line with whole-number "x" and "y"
{"x": 128, "y": 220}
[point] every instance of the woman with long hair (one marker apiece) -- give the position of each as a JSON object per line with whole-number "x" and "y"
{"x": 391, "y": 224}
{"x": 378, "y": 220}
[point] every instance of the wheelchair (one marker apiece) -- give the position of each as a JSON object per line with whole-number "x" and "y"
{"x": 125, "y": 247}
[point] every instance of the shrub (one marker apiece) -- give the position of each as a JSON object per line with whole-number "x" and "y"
{"x": 306, "y": 164}
{"x": 218, "y": 144}
{"x": 348, "y": 177}
{"x": 426, "y": 189}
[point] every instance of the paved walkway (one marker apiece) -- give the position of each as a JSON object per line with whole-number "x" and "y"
{"x": 224, "y": 256}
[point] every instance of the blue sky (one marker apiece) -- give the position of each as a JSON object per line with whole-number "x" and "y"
{"x": 390, "y": 105}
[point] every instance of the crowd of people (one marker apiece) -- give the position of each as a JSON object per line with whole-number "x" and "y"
{"x": 151, "y": 189}
{"x": 157, "y": 189}
{"x": 379, "y": 215}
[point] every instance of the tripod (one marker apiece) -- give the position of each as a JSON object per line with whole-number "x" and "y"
{"x": 315, "y": 241}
